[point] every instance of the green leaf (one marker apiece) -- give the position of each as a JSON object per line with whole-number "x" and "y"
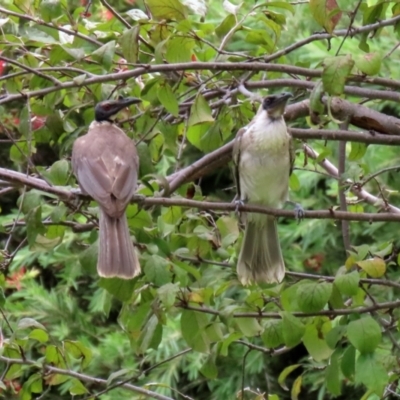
{"x": 326, "y": 13}
{"x": 168, "y": 99}
{"x": 284, "y": 374}
{"x": 369, "y": 64}
{"x": 122, "y": 289}
{"x": 293, "y": 329}
{"x": 200, "y": 112}
{"x": 334, "y": 73}
{"x": 40, "y": 335}
{"x": 130, "y": 44}
{"x": 105, "y": 54}
{"x": 225, "y": 26}
{"x": 151, "y": 335}
{"x": 281, "y": 4}
{"x": 79, "y": 351}
{"x": 348, "y": 363}
{"x": 77, "y": 387}
{"x": 167, "y": 294}
{"x": 209, "y": 369}
{"x": 294, "y": 182}
{"x": 364, "y": 334}
{"x": 193, "y": 326}
{"x": 157, "y": 270}
{"x": 167, "y": 9}
{"x": 374, "y": 267}
{"x": 313, "y": 296}
{"x": 357, "y": 151}
{"x": 296, "y": 388}
{"x": 371, "y": 373}
{"x": 332, "y": 375}
{"x": 273, "y": 333}
{"x": 50, "y": 9}
{"x": 315, "y": 344}
{"x": 58, "y": 173}
{"x": 348, "y": 283}
{"x": 179, "y": 49}
{"x": 248, "y": 326}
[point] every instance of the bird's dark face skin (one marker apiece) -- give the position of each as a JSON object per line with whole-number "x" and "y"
{"x": 106, "y": 109}
{"x": 275, "y": 104}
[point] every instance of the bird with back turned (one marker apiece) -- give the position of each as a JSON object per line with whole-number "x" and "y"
{"x": 105, "y": 163}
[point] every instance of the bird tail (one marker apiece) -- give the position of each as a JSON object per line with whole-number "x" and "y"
{"x": 117, "y": 256}
{"x": 260, "y": 259}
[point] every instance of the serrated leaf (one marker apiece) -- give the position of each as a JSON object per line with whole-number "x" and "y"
{"x": 334, "y": 73}
{"x": 130, "y": 44}
{"x": 348, "y": 283}
{"x": 273, "y": 333}
{"x": 284, "y": 374}
{"x": 193, "y": 326}
{"x": 167, "y": 294}
{"x": 200, "y": 112}
{"x": 167, "y": 9}
{"x": 364, "y": 334}
{"x": 293, "y": 329}
{"x": 371, "y": 373}
{"x": 374, "y": 267}
{"x": 313, "y": 296}
{"x": 105, "y": 54}
{"x": 168, "y": 99}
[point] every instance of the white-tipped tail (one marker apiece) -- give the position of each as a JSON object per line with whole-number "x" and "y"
{"x": 260, "y": 259}
{"x": 117, "y": 256}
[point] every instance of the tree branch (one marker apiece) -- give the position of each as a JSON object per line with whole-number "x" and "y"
{"x": 82, "y": 377}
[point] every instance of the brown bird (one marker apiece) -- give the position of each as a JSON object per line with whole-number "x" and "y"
{"x": 263, "y": 160}
{"x": 106, "y": 164}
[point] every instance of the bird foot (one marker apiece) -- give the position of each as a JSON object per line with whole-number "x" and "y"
{"x": 238, "y": 203}
{"x": 298, "y": 211}
{"x": 140, "y": 199}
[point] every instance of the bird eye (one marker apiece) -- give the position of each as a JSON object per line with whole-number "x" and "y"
{"x": 106, "y": 106}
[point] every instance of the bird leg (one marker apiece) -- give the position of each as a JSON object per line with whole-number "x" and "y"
{"x": 298, "y": 210}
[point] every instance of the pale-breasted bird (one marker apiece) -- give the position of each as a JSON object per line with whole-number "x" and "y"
{"x": 106, "y": 165}
{"x": 263, "y": 160}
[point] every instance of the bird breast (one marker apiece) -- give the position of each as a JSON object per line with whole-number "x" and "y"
{"x": 265, "y": 163}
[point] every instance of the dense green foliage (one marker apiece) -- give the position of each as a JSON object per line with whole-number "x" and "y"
{"x": 186, "y": 328}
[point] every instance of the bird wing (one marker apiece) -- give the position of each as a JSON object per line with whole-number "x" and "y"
{"x": 292, "y": 153}
{"x": 236, "y": 159}
{"x": 110, "y": 177}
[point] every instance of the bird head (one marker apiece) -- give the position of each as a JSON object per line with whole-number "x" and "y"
{"x": 275, "y": 104}
{"x": 107, "y": 108}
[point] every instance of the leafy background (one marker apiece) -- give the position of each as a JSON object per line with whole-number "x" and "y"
{"x": 185, "y": 328}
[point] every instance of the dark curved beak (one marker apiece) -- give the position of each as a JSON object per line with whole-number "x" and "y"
{"x": 127, "y": 101}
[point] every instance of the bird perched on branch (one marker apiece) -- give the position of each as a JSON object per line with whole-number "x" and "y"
{"x": 263, "y": 159}
{"x": 106, "y": 165}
